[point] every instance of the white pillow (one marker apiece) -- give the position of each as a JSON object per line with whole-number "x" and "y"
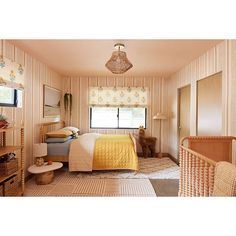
{"x": 72, "y": 129}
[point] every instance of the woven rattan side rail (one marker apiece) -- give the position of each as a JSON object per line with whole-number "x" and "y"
{"x": 198, "y": 161}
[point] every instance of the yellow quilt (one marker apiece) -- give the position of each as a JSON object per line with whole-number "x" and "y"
{"x": 115, "y": 152}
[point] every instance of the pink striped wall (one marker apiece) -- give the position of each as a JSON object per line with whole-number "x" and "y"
{"x": 31, "y": 114}
{"x": 79, "y": 87}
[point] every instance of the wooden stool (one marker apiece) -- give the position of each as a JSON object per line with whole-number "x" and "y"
{"x": 44, "y": 178}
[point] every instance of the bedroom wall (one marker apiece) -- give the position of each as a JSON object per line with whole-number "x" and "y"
{"x": 79, "y": 87}
{"x": 220, "y": 58}
{"x": 31, "y": 115}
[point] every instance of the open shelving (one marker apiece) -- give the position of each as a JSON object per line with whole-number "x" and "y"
{"x": 5, "y": 149}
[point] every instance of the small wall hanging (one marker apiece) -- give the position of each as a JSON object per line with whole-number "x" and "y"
{"x": 68, "y": 102}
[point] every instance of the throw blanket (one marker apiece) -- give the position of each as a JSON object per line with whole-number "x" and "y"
{"x": 81, "y": 152}
{"x": 103, "y": 152}
{"x": 115, "y": 152}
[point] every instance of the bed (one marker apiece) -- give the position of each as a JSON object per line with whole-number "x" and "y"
{"x": 92, "y": 151}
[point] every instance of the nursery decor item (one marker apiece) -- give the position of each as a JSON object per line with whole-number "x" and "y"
{"x": 68, "y": 102}
{"x": 3, "y": 121}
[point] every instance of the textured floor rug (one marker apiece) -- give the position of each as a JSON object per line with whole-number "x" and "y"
{"x": 149, "y": 168}
{"x": 70, "y": 185}
{"x": 109, "y": 183}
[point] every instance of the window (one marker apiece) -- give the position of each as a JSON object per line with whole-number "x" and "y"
{"x": 117, "y": 118}
{"x": 8, "y": 97}
{"x": 132, "y": 117}
{"x": 103, "y": 117}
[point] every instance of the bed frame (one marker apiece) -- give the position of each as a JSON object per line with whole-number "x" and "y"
{"x": 51, "y": 126}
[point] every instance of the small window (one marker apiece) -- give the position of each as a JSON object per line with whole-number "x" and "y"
{"x": 102, "y": 117}
{"x": 117, "y": 118}
{"x": 8, "y": 97}
{"x": 132, "y": 117}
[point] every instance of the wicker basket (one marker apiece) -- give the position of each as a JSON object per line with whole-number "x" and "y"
{"x": 1, "y": 190}
{"x": 10, "y": 187}
{"x": 8, "y": 168}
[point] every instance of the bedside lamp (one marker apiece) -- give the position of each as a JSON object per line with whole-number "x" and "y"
{"x": 160, "y": 116}
{"x": 39, "y": 151}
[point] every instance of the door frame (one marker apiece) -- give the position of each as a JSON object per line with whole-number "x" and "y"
{"x": 178, "y": 113}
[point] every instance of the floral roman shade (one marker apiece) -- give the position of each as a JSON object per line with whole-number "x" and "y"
{"x": 11, "y": 74}
{"x": 118, "y": 96}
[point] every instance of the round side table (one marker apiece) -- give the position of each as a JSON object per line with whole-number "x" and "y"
{"x": 44, "y": 174}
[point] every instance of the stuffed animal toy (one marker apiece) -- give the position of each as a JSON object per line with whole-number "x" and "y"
{"x": 147, "y": 143}
{"x": 141, "y": 131}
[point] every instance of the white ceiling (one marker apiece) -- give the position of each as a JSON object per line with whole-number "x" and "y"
{"x": 88, "y": 57}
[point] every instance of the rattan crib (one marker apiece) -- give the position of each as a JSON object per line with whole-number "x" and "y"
{"x": 199, "y": 162}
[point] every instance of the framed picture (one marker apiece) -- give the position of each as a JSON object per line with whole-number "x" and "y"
{"x": 51, "y": 102}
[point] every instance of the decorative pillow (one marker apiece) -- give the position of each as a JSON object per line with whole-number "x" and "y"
{"x": 76, "y": 130}
{"x": 61, "y": 133}
{"x": 57, "y": 140}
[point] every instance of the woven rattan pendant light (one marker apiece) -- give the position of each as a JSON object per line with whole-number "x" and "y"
{"x": 118, "y": 63}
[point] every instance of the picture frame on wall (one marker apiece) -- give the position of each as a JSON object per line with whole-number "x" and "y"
{"x": 51, "y": 101}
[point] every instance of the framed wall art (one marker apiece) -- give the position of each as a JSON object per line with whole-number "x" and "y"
{"x": 51, "y": 102}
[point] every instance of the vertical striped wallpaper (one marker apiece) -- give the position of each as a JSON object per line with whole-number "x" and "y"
{"x": 79, "y": 87}
{"x": 31, "y": 115}
{"x": 220, "y": 58}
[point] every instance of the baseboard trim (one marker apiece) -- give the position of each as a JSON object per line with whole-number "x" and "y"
{"x": 173, "y": 159}
{"x": 165, "y": 154}
{"x": 28, "y": 177}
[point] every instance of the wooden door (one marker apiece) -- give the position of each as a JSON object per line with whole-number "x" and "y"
{"x": 209, "y": 106}
{"x": 184, "y": 113}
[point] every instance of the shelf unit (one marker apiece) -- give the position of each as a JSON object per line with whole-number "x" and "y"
{"x": 4, "y": 149}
